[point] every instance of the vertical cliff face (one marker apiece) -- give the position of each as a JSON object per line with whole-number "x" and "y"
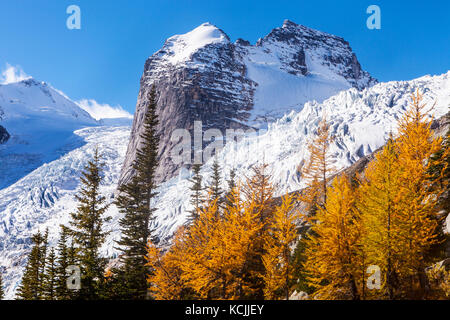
{"x": 198, "y": 77}
{"x": 202, "y": 76}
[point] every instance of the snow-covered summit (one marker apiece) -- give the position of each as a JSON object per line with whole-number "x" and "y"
{"x": 179, "y": 48}
{"x": 30, "y": 98}
{"x": 302, "y": 50}
{"x": 40, "y": 121}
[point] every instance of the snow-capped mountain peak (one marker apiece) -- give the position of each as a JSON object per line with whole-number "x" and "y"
{"x": 32, "y": 98}
{"x": 180, "y": 48}
{"x": 302, "y": 50}
{"x": 202, "y": 76}
{"x": 40, "y": 121}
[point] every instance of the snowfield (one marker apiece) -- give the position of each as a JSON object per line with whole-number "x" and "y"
{"x": 360, "y": 120}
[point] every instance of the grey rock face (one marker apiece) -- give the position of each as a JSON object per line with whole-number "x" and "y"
{"x": 219, "y": 95}
{"x": 4, "y": 135}
{"x": 212, "y": 84}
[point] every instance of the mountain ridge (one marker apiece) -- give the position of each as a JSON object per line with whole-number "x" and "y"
{"x": 237, "y": 85}
{"x": 40, "y": 121}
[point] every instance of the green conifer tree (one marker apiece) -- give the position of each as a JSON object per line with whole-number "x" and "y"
{"x": 2, "y": 292}
{"x": 50, "y": 279}
{"x": 62, "y": 263}
{"x": 32, "y": 279}
{"x": 231, "y": 186}
{"x": 214, "y": 189}
{"x": 86, "y": 228}
{"x": 135, "y": 203}
{"x": 196, "y": 192}
{"x": 43, "y": 264}
{"x": 232, "y": 181}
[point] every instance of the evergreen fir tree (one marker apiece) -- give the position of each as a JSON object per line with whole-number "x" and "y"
{"x": 62, "y": 263}
{"x": 2, "y": 292}
{"x": 197, "y": 190}
{"x": 298, "y": 260}
{"x": 43, "y": 264}
{"x": 231, "y": 182}
{"x": 32, "y": 279}
{"x": 50, "y": 277}
{"x": 214, "y": 189}
{"x": 73, "y": 259}
{"x": 86, "y": 229}
{"x": 135, "y": 202}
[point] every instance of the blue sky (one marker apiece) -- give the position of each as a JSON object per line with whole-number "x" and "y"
{"x": 105, "y": 59}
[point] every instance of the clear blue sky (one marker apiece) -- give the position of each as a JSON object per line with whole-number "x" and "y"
{"x": 104, "y": 60}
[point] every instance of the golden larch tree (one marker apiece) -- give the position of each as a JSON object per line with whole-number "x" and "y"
{"x": 318, "y": 167}
{"x": 218, "y": 249}
{"x": 419, "y": 201}
{"x": 332, "y": 263}
{"x": 277, "y": 256}
{"x": 165, "y": 281}
{"x": 385, "y": 233}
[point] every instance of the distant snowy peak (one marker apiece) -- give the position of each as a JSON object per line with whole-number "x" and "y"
{"x": 31, "y": 99}
{"x": 40, "y": 121}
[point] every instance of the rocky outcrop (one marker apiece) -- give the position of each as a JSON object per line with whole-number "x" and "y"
{"x": 331, "y": 51}
{"x": 299, "y": 296}
{"x": 4, "y": 135}
{"x": 202, "y": 76}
